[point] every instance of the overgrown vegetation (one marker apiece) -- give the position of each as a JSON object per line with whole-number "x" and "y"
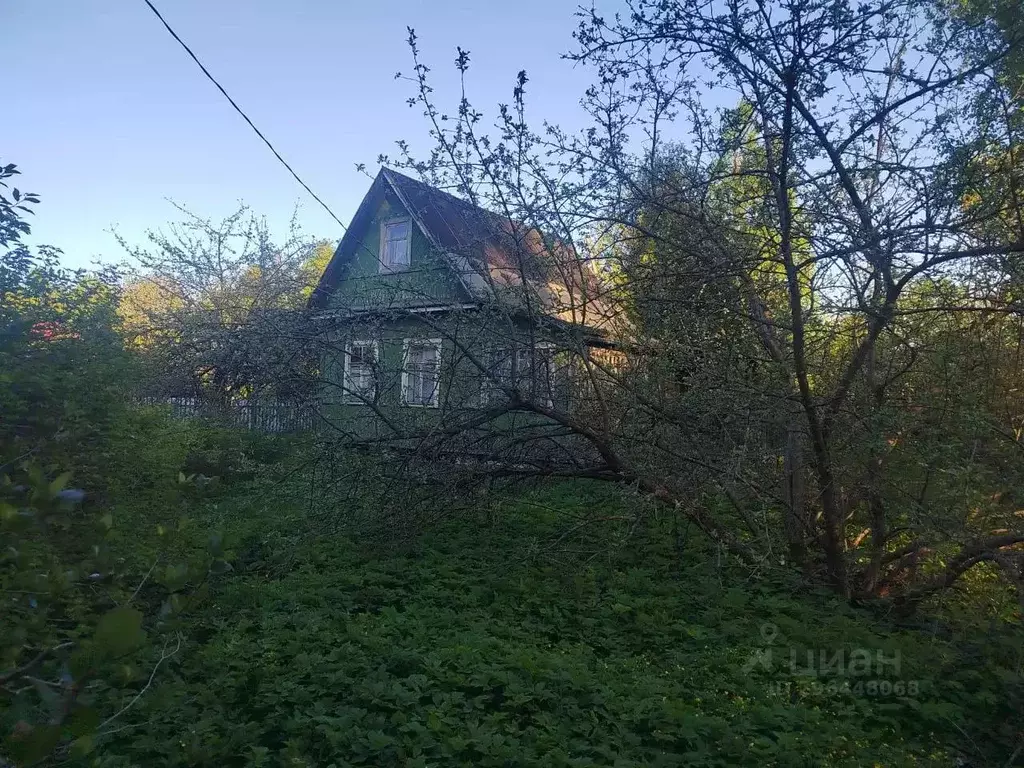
{"x": 482, "y": 644}
{"x": 779, "y": 522}
{"x": 513, "y": 634}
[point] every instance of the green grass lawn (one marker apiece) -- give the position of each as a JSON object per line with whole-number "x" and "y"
{"x": 464, "y": 649}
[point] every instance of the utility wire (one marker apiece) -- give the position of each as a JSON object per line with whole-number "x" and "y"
{"x": 245, "y": 117}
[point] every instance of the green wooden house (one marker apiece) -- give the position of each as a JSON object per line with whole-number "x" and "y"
{"x": 433, "y": 308}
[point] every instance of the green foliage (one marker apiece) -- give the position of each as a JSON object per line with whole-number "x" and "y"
{"x": 13, "y": 207}
{"x": 255, "y": 643}
{"x": 74, "y": 614}
{"x": 64, "y": 374}
{"x": 468, "y": 650}
{"x": 209, "y": 304}
{"x": 55, "y": 574}
{"x": 119, "y": 631}
{"x": 86, "y": 606}
{"x": 990, "y": 169}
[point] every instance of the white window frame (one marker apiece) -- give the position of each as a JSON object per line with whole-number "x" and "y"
{"x": 348, "y": 397}
{"x": 406, "y": 344}
{"x": 385, "y": 266}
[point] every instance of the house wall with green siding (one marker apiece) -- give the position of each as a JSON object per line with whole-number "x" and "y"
{"x": 464, "y": 338}
{"x": 428, "y": 281}
{"x": 380, "y": 299}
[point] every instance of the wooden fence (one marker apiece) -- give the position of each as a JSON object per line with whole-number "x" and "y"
{"x": 264, "y": 416}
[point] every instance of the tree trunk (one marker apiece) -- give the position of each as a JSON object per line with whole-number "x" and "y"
{"x": 795, "y": 523}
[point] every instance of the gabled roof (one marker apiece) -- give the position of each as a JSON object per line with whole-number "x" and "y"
{"x": 492, "y": 256}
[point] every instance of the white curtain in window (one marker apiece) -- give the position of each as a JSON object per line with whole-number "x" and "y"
{"x": 422, "y": 365}
{"x": 397, "y": 235}
{"x": 360, "y": 371}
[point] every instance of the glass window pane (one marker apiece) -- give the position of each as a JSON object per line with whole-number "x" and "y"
{"x": 395, "y": 251}
{"x": 360, "y": 379}
{"x": 421, "y": 373}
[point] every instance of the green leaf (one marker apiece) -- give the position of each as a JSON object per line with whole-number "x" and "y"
{"x": 35, "y": 476}
{"x": 82, "y": 746}
{"x": 119, "y": 631}
{"x": 378, "y": 740}
{"x": 175, "y": 577}
{"x": 59, "y": 483}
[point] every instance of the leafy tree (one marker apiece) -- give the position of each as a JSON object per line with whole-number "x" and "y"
{"x": 815, "y": 225}
{"x": 992, "y": 162}
{"x": 866, "y": 202}
{"x": 214, "y": 305}
{"x": 64, "y": 369}
{"x": 73, "y": 642}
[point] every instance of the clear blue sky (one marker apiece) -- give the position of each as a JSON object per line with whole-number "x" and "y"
{"x": 107, "y": 117}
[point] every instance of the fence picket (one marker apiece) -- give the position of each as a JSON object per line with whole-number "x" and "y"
{"x": 274, "y": 417}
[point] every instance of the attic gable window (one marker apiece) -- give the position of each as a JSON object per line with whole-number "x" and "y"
{"x": 395, "y": 244}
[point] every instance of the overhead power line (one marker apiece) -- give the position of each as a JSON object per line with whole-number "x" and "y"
{"x": 245, "y": 117}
